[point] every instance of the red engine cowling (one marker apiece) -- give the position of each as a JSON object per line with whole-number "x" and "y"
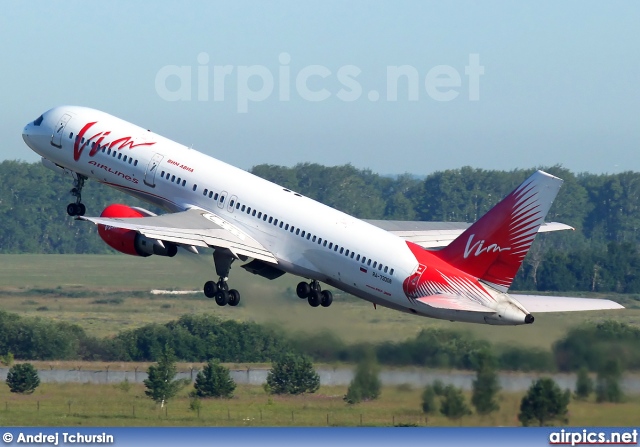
{"x": 128, "y": 241}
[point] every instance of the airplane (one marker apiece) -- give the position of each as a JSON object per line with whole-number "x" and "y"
{"x": 445, "y": 270}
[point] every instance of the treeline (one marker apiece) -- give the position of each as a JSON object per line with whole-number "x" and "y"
{"x": 601, "y": 255}
{"x": 199, "y": 338}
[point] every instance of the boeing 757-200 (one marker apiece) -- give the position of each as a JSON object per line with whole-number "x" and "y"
{"x": 439, "y": 270}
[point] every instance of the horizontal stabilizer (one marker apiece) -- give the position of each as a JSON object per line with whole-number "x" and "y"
{"x": 539, "y": 303}
{"x": 453, "y": 302}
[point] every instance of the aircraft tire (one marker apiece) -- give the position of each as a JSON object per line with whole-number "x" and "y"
{"x": 326, "y": 298}
{"x": 210, "y": 289}
{"x": 234, "y": 297}
{"x": 302, "y": 290}
{"x": 314, "y": 298}
{"x": 222, "y": 297}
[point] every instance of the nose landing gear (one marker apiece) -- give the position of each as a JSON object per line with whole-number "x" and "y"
{"x": 77, "y": 208}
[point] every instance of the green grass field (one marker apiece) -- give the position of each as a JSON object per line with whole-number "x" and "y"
{"x": 110, "y": 293}
{"x": 71, "y": 404}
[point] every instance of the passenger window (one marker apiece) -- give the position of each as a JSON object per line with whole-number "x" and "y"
{"x": 249, "y": 210}
{"x": 195, "y": 187}
{"x": 275, "y": 222}
{"x": 352, "y": 253}
{"x": 120, "y": 156}
{"x": 314, "y": 239}
{"x": 341, "y": 250}
{"x": 82, "y": 141}
{"x": 105, "y": 148}
{"x": 380, "y": 267}
{"x": 222, "y": 199}
{"x": 335, "y": 248}
{"x": 135, "y": 163}
{"x": 238, "y": 205}
{"x": 71, "y": 135}
{"x": 308, "y": 236}
{"x": 364, "y": 259}
{"x": 184, "y": 183}
{"x": 243, "y": 208}
{"x": 125, "y": 158}
{"x": 391, "y": 272}
{"x": 109, "y": 152}
{"x": 260, "y": 215}
{"x": 386, "y": 268}
{"x": 130, "y": 159}
{"x": 215, "y": 196}
{"x": 162, "y": 174}
{"x": 286, "y": 227}
{"x": 292, "y": 228}
{"x": 302, "y": 234}
{"x": 270, "y": 219}
{"x": 210, "y": 194}
{"x": 330, "y": 245}
{"x": 114, "y": 154}
{"x": 375, "y": 264}
{"x": 265, "y": 218}
{"x": 254, "y": 213}
{"x": 369, "y": 262}
{"x": 178, "y": 182}
{"x": 358, "y": 258}
{"x": 204, "y": 193}
{"x": 298, "y": 231}
{"x": 173, "y": 178}
{"x": 346, "y": 253}
{"x": 325, "y": 243}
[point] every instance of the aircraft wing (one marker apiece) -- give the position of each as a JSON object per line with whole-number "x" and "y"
{"x": 440, "y": 234}
{"x": 454, "y": 302}
{"x": 540, "y": 303}
{"x": 194, "y": 227}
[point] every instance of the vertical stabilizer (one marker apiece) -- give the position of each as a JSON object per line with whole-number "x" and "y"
{"x": 492, "y": 249}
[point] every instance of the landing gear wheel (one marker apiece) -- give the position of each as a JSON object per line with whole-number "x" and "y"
{"x": 326, "y": 298}
{"x": 210, "y": 289}
{"x": 222, "y": 297}
{"x": 314, "y": 298}
{"x": 72, "y": 209}
{"x": 303, "y": 290}
{"x": 81, "y": 209}
{"x": 234, "y": 297}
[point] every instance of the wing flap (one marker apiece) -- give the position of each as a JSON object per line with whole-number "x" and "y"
{"x": 192, "y": 227}
{"x": 453, "y": 302}
{"x": 540, "y": 303}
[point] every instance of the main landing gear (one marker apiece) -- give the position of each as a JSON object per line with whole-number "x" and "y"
{"x": 314, "y": 295}
{"x": 78, "y": 208}
{"x": 220, "y": 290}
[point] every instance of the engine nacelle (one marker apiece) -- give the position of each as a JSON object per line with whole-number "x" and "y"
{"x": 128, "y": 241}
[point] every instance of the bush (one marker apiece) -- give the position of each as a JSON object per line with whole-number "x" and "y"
{"x": 429, "y": 400}
{"x": 292, "y": 374}
{"x": 486, "y": 386}
{"x": 584, "y": 384}
{"x": 453, "y": 405}
{"x": 544, "y": 402}
{"x": 214, "y": 381}
{"x": 23, "y": 378}
{"x": 365, "y": 384}
{"x": 608, "y": 383}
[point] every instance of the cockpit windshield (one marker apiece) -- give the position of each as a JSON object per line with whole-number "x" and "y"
{"x": 38, "y": 121}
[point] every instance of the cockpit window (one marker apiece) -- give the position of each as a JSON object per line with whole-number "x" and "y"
{"x": 38, "y": 121}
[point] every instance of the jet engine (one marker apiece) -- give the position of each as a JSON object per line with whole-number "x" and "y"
{"x": 131, "y": 242}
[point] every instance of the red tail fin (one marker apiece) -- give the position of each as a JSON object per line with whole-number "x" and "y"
{"x": 493, "y": 248}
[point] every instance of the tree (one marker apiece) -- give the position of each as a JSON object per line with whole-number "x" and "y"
{"x": 23, "y": 378}
{"x": 365, "y": 384}
{"x": 584, "y": 384}
{"x": 544, "y": 402}
{"x": 453, "y": 404}
{"x": 214, "y": 381}
{"x": 292, "y": 374}
{"x": 161, "y": 384}
{"x": 429, "y": 400}
{"x": 486, "y": 386}
{"x": 608, "y": 383}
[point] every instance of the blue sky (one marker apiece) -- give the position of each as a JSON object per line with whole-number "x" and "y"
{"x": 561, "y": 81}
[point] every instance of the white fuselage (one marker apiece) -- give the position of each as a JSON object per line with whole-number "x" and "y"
{"x": 176, "y": 178}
